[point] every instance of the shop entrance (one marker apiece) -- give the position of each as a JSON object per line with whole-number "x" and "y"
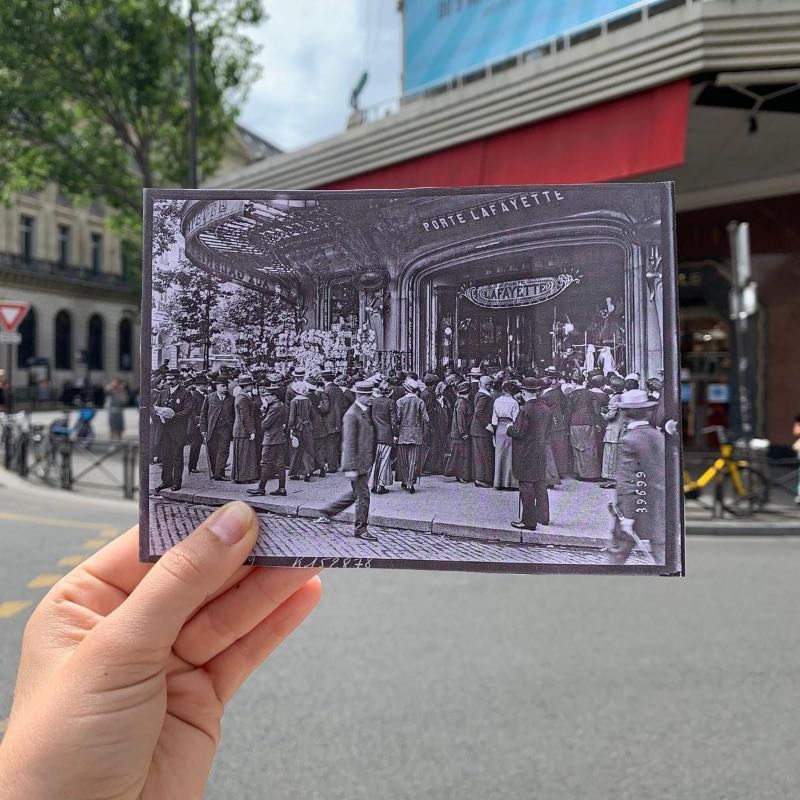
{"x": 539, "y": 308}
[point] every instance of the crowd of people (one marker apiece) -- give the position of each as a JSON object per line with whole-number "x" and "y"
{"x": 502, "y": 429}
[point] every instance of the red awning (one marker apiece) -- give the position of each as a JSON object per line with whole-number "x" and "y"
{"x": 629, "y": 136}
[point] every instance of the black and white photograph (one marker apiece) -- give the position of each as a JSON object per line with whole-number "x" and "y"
{"x": 473, "y": 379}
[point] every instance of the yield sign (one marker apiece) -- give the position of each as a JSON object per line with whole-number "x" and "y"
{"x": 11, "y": 314}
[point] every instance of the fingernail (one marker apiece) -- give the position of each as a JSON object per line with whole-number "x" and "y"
{"x": 231, "y": 522}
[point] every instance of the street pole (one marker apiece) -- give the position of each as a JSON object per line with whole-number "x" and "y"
{"x": 10, "y": 359}
{"x": 192, "y": 99}
{"x": 742, "y": 306}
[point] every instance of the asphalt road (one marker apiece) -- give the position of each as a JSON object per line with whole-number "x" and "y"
{"x": 422, "y": 684}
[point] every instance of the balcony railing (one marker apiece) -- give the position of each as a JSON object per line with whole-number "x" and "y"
{"x": 63, "y": 272}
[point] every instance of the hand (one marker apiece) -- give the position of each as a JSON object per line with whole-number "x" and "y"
{"x": 126, "y": 667}
{"x": 252, "y": 437}
{"x": 351, "y": 474}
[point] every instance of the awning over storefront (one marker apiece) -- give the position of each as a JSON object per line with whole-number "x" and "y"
{"x": 626, "y": 137}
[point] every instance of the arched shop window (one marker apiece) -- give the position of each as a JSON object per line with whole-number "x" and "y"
{"x": 63, "y": 336}
{"x": 95, "y": 355}
{"x": 125, "y": 339}
{"x": 26, "y": 349}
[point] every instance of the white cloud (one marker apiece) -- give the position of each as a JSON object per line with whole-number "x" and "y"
{"x": 313, "y": 53}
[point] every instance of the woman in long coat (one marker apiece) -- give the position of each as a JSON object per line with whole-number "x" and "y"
{"x": 411, "y": 418}
{"x": 301, "y": 428}
{"x": 504, "y": 413}
{"x": 459, "y": 463}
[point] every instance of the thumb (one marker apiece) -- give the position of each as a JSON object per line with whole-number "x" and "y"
{"x": 186, "y": 575}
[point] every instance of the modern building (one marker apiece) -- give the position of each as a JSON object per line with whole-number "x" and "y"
{"x": 705, "y": 93}
{"x": 79, "y": 278}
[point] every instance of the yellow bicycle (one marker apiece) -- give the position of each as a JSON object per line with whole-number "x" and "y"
{"x": 738, "y": 487}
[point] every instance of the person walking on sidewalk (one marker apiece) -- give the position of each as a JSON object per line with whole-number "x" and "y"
{"x": 358, "y": 455}
{"x": 412, "y": 418}
{"x": 216, "y": 424}
{"x": 384, "y": 417}
{"x": 274, "y": 417}
{"x": 529, "y": 455}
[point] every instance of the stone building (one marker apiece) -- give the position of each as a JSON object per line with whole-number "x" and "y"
{"x": 82, "y": 286}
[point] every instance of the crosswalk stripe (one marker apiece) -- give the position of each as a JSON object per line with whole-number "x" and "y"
{"x": 71, "y": 561}
{"x": 44, "y": 581}
{"x": 94, "y": 544}
{"x": 12, "y": 607}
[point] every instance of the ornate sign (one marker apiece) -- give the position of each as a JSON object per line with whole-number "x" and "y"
{"x": 524, "y": 292}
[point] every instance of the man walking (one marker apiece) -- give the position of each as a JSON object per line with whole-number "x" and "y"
{"x": 529, "y": 455}
{"x": 384, "y": 417}
{"x": 640, "y": 481}
{"x": 171, "y": 412}
{"x": 358, "y": 455}
{"x": 216, "y": 423}
{"x": 274, "y": 417}
{"x": 482, "y": 445}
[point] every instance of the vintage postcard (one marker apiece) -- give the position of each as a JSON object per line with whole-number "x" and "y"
{"x": 472, "y": 379}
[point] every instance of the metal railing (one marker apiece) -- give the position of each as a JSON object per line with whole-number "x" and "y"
{"x": 56, "y": 458}
{"x": 65, "y": 272}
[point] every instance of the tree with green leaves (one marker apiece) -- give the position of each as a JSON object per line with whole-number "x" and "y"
{"x": 94, "y": 94}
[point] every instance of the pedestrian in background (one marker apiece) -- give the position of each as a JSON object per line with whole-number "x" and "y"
{"x": 384, "y": 417}
{"x": 216, "y": 424}
{"x": 118, "y": 398}
{"x": 274, "y": 418}
{"x": 480, "y": 433}
{"x": 412, "y": 417}
{"x": 245, "y": 459}
{"x": 504, "y": 412}
{"x": 459, "y": 465}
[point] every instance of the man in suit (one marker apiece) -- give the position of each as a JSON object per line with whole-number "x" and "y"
{"x": 584, "y": 417}
{"x": 274, "y": 417}
{"x": 475, "y": 375}
{"x": 216, "y": 423}
{"x": 559, "y": 435}
{"x": 482, "y": 444}
{"x": 529, "y": 455}
{"x": 333, "y": 421}
{"x": 384, "y": 417}
{"x": 171, "y": 412}
{"x": 358, "y": 455}
{"x": 197, "y": 397}
{"x": 641, "y": 468}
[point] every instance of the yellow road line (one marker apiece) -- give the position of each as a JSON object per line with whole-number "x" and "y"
{"x": 71, "y": 561}
{"x": 94, "y": 544}
{"x": 108, "y": 533}
{"x": 53, "y": 521}
{"x": 12, "y": 607}
{"x": 44, "y": 581}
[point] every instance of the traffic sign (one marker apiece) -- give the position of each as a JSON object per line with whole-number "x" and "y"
{"x": 10, "y": 338}
{"x": 12, "y": 312}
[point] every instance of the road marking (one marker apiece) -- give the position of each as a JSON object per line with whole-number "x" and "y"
{"x": 13, "y": 607}
{"x": 45, "y": 581}
{"x": 108, "y": 533}
{"x": 53, "y": 521}
{"x": 71, "y": 561}
{"x": 94, "y": 544}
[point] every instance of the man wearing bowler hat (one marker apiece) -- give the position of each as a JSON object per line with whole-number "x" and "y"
{"x": 196, "y": 398}
{"x": 640, "y": 477}
{"x": 171, "y": 412}
{"x": 333, "y": 420}
{"x": 274, "y": 417}
{"x": 529, "y": 434}
{"x": 216, "y": 423}
{"x": 358, "y": 455}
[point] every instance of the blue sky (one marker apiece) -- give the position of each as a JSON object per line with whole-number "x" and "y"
{"x": 313, "y": 52}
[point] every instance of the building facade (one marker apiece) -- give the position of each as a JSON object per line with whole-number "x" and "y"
{"x": 82, "y": 285}
{"x": 704, "y": 93}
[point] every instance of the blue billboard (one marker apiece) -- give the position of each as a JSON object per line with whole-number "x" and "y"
{"x": 447, "y": 38}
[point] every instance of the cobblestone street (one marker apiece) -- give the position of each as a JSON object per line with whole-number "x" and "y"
{"x": 299, "y": 538}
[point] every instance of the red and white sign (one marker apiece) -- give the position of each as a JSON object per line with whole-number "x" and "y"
{"x": 11, "y": 314}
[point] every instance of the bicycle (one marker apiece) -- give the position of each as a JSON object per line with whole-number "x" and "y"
{"x": 739, "y": 488}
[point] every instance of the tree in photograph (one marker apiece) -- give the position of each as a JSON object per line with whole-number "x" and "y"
{"x": 190, "y": 298}
{"x": 95, "y": 94}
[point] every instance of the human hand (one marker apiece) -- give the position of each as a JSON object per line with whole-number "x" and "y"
{"x": 252, "y": 437}
{"x": 126, "y": 667}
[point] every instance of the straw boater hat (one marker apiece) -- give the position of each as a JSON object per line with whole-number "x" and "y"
{"x": 272, "y": 381}
{"x": 299, "y": 387}
{"x": 410, "y": 385}
{"x": 245, "y": 379}
{"x": 635, "y": 398}
{"x": 363, "y": 387}
{"x": 299, "y": 372}
{"x": 327, "y": 374}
